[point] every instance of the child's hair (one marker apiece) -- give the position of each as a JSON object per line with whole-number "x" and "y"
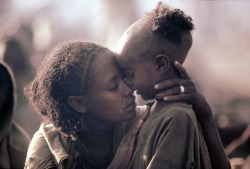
{"x": 63, "y": 73}
{"x": 173, "y": 25}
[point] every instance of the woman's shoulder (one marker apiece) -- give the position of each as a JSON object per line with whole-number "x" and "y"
{"x": 50, "y": 148}
{"x": 39, "y": 154}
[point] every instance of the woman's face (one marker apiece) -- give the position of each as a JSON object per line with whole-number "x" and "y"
{"x": 108, "y": 97}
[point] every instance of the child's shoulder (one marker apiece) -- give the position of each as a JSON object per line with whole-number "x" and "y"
{"x": 179, "y": 111}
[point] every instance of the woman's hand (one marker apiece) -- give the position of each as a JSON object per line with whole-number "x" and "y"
{"x": 126, "y": 148}
{"x": 171, "y": 92}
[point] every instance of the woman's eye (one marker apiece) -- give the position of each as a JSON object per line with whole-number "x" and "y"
{"x": 113, "y": 87}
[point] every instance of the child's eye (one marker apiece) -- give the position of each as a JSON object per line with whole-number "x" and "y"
{"x": 129, "y": 76}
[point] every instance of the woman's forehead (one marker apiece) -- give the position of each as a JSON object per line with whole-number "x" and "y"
{"x": 105, "y": 66}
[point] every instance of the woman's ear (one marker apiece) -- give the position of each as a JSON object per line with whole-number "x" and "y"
{"x": 162, "y": 62}
{"x": 77, "y": 103}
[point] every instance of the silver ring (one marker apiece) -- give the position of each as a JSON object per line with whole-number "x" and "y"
{"x": 182, "y": 89}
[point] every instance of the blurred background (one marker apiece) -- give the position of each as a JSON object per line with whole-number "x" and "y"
{"x": 218, "y": 62}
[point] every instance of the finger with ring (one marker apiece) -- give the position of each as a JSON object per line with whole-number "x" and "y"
{"x": 182, "y": 89}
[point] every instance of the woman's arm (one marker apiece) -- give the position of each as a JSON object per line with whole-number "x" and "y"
{"x": 125, "y": 150}
{"x": 202, "y": 110}
{"x": 211, "y": 134}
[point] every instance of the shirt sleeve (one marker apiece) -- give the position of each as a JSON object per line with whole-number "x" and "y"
{"x": 39, "y": 155}
{"x": 175, "y": 147}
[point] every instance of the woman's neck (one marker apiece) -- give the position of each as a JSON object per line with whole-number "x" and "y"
{"x": 98, "y": 139}
{"x": 97, "y": 127}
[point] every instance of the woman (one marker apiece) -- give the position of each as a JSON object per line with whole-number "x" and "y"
{"x": 80, "y": 93}
{"x": 87, "y": 110}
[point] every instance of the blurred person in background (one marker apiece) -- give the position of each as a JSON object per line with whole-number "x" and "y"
{"x": 14, "y": 140}
{"x": 18, "y": 59}
{"x": 17, "y": 56}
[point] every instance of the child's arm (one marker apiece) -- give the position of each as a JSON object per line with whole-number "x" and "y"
{"x": 202, "y": 110}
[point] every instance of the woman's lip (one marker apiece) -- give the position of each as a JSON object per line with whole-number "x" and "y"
{"x": 131, "y": 107}
{"x": 131, "y": 104}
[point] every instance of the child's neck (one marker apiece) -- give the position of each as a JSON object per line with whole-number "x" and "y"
{"x": 159, "y": 105}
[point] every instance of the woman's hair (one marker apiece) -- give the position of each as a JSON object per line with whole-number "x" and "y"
{"x": 63, "y": 73}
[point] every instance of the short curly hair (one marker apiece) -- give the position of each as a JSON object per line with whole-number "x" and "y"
{"x": 171, "y": 23}
{"x": 63, "y": 73}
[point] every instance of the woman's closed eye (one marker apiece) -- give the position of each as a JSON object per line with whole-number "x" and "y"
{"x": 113, "y": 87}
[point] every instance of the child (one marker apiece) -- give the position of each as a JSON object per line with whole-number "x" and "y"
{"x": 171, "y": 136}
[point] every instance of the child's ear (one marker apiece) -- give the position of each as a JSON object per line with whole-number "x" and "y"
{"x": 77, "y": 103}
{"x": 161, "y": 62}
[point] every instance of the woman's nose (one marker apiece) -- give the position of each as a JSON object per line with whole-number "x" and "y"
{"x": 127, "y": 89}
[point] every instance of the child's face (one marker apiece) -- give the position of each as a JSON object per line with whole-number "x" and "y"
{"x": 139, "y": 71}
{"x": 109, "y": 98}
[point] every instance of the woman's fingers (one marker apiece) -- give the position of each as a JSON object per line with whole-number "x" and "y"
{"x": 135, "y": 128}
{"x": 176, "y": 90}
{"x": 126, "y": 148}
{"x": 182, "y": 71}
{"x": 179, "y": 98}
{"x": 132, "y": 135}
{"x": 166, "y": 84}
